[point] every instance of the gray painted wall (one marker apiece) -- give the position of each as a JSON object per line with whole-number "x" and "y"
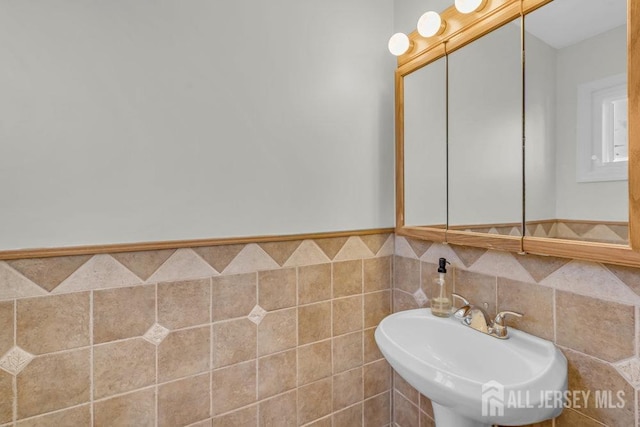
{"x": 146, "y": 120}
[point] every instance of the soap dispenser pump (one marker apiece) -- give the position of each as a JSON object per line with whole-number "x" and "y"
{"x": 441, "y": 297}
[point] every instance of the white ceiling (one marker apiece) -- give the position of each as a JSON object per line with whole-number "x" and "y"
{"x": 563, "y": 23}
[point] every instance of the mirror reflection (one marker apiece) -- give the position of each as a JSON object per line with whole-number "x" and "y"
{"x": 425, "y": 146}
{"x": 485, "y": 134}
{"x": 576, "y": 121}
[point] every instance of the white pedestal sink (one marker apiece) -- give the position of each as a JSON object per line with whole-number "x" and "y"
{"x": 473, "y": 379}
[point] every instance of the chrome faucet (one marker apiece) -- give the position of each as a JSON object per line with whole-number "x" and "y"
{"x": 478, "y": 319}
{"x": 499, "y": 327}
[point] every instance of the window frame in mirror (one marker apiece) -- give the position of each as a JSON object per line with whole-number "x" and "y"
{"x": 462, "y": 30}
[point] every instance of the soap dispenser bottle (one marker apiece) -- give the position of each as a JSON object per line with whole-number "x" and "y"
{"x": 441, "y": 297}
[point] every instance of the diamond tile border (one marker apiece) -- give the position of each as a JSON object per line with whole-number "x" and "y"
{"x": 630, "y": 370}
{"x": 420, "y": 297}
{"x": 107, "y": 271}
{"x": 15, "y": 360}
{"x": 257, "y": 314}
{"x": 156, "y": 334}
{"x": 48, "y": 273}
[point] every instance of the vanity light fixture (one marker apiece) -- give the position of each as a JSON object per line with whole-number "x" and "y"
{"x": 468, "y": 6}
{"x": 399, "y": 44}
{"x": 431, "y": 24}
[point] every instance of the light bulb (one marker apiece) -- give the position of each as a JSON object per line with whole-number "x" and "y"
{"x": 430, "y": 24}
{"x": 468, "y": 6}
{"x": 399, "y": 43}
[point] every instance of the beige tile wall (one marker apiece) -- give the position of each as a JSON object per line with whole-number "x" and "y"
{"x": 590, "y": 310}
{"x": 281, "y": 333}
{"x": 270, "y": 334}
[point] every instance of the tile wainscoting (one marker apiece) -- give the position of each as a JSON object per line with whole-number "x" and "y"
{"x": 267, "y": 334}
{"x": 590, "y": 310}
{"x": 281, "y": 333}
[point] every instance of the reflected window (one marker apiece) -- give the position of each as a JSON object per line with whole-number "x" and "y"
{"x": 603, "y": 136}
{"x": 615, "y": 138}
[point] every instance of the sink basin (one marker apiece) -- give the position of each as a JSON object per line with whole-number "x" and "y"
{"x": 474, "y": 379}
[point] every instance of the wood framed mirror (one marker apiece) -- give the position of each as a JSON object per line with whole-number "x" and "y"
{"x": 464, "y": 29}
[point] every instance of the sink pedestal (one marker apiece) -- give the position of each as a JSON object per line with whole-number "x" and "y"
{"x": 445, "y": 417}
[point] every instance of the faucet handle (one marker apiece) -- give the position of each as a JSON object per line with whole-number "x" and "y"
{"x": 499, "y": 327}
{"x": 464, "y": 300}
{"x": 464, "y": 310}
{"x": 499, "y": 320}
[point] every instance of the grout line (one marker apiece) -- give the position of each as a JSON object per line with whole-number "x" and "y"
{"x": 168, "y": 382}
{"x": 364, "y": 322}
{"x": 331, "y": 302}
{"x": 454, "y": 280}
{"x": 496, "y": 297}
{"x": 210, "y": 397}
{"x": 362, "y": 364}
{"x": 555, "y": 320}
{"x": 636, "y": 408}
{"x": 637, "y": 331}
{"x": 297, "y": 338}
{"x": 589, "y": 356}
{"x": 390, "y": 301}
{"x": 211, "y": 347}
{"x": 296, "y": 316}
{"x": 15, "y": 323}
{"x": 392, "y": 280}
{"x": 91, "y": 358}
{"x": 241, "y": 408}
{"x": 232, "y": 319}
{"x": 331, "y": 345}
{"x": 113, "y": 396}
{"x": 599, "y": 423}
{"x": 156, "y": 387}
{"x": 296, "y": 389}
{"x": 392, "y": 399}
{"x": 14, "y": 381}
{"x": 60, "y": 352}
{"x": 417, "y": 405}
{"x": 211, "y": 300}
{"x": 297, "y": 270}
{"x": 420, "y": 283}
{"x": 257, "y": 394}
{"x": 14, "y": 389}
{"x": 362, "y": 289}
{"x": 257, "y": 401}
{"x": 375, "y": 396}
{"x": 46, "y": 414}
{"x": 328, "y": 416}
